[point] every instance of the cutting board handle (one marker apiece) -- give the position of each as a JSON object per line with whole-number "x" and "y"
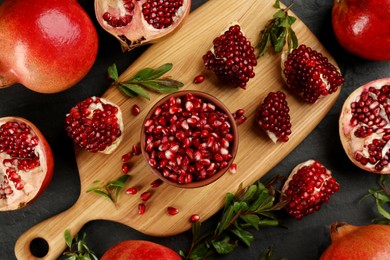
{"x": 51, "y": 231}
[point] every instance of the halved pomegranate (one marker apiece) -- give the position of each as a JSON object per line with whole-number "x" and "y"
{"x": 137, "y": 22}
{"x": 309, "y": 74}
{"x": 364, "y": 126}
{"x": 26, "y": 163}
{"x": 48, "y": 46}
{"x": 95, "y": 124}
{"x": 308, "y": 186}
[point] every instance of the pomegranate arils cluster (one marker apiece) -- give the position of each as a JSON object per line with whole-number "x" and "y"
{"x": 309, "y": 74}
{"x": 161, "y": 13}
{"x": 232, "y": 57}
{"x": 17, "y": 154}
{"x": 95, "y": 124}
{"x": 273, "y": 116}
{"x": 188, "y": 139}
{"x": 308, "y": 186}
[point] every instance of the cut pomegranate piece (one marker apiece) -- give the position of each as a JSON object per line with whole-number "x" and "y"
{"x": 26, "y": 163}
{"x": 232, "y": 57}
{"x": 309, "y": 74}
{"x": 273, "y": 116}
{"x": 137, "y": 22}
{"x": 95, "y": 124}
{"x": 308, "y": 186}
{"x": 364, "y": 126}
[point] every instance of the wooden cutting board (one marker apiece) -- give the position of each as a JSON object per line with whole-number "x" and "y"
{"x": 256, "y": 154}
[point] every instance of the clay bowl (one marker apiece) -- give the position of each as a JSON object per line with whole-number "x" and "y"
{"x": 185, "y": 138}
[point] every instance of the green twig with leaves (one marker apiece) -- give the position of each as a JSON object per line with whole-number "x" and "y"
{"x": 77, "y": 248}
{"x": 382, "y": 198}
{"x": 254, "y": 208}
{"x": 145, "y": 79}
{"x": 111, "y": 189}
{"x": 278, "y": 31}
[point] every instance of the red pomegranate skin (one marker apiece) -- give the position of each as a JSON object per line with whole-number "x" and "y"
{"x": 358, "y": 242}
{"x": 139, "y": 250}
{"x": 48, "y": 46}
{"x": 363, "y": 27}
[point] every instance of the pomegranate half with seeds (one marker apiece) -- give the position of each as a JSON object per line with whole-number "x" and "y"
{"x": 309, "y": 74}
{"x": 95, "y": 124}
{"x": 137, "y": 22}
{"x": 309, "y": 185}
{"x": 364, "y": 126}
{"x": 189, "y": 139}
{"x": 232, "y": 57}
{"x": 26, "y": 163}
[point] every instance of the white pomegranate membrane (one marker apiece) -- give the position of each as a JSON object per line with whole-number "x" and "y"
{"x": 188, "y": 139}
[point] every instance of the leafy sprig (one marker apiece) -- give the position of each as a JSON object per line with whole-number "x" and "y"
{"x": 278, "y": 31}
{"x": 77, "y": 248}
{"x": 382, "y": 198}
{"x": 252, "y": 209}
{"x": 145, "y": 79}
{"x": 111, "y": 189}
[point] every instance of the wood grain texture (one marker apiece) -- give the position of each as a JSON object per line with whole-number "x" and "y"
{"x": 256, "y": 154}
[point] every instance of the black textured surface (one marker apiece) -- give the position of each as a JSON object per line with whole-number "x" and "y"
{"x": 305, "y": 239}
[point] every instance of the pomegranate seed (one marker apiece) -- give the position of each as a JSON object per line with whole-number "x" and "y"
{"x": 125, "y": 168}
{"x": 141, "y": 208}
{"x": 146, "y": 195}
{"x": 199, "y": 79}
{"x": 135, "y": 110}
{"x": 126, "y": 157}
{"x": 233, "y": 168}
{"x": 194, "y": 218}
{"x": 156, "y": 183}
{"x": 137, "y": 149}
{"x": 172, "y": 211}
{"x": 131, "y": 190}
{"x": 160, "y": 14}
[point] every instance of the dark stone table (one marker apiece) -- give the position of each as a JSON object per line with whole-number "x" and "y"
{"x": 305, "y": 239}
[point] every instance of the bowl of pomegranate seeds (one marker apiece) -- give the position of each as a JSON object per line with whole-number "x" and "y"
{"x": 189, "y": 139}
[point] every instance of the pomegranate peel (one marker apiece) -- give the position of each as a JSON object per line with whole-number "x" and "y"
{"x": 364, "y": 126}
{"x": 26, "y": 163}
{"x": 358, "y": 242}
{"x": 95, "y": 124}
{"x": 138, "y": 22}
{"x": 309, "y": 74}
{"x": 308, "y": 186}
{"x": 48, "y": 46}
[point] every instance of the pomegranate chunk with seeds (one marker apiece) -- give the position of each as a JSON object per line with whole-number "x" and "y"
{"x": 310, "y": 74}
{"x": 273, "y": 116}
{"x": 364, "y": 126}
{"x": 95, "y": 124}
{"x": 308, "y": 186}
{"x": 232, "y": 57}
{"x": 188, "y": 138}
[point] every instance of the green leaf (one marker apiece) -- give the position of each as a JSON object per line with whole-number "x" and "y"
{"x": 113, "y": 72}
{"x": 199, "y": 251}
{"x": 381, "y": 210}
{"x": 229, "y": 198}
{"x": 162, "y": 86}
{"x": 251, "y": 219}
{"x": 269, "y": 222}
{"x": 292, "y": 39}
{"x": 223, "y": 247}
{"x": 102, "y": 193}
{"x": 267, "y": 254}
{"x": 160, "y": 71}
{"x": 137, "y": 89}
{"x": 245, "y": 236}
{"x": 142, "y": 74}
{"x": 127, "y": 91}
{"x": 249, "y": 193}
{"x": 277, "y": 4}
{"x": 280, "y": 41}
{"x": 280, "y": 14}
{"x": 263, "y": 44}
{"x": 68, "y": 238}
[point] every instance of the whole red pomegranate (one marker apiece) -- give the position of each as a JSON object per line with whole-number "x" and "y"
{"x": 364, "y": 126}
{"x": 139, "y": 249}
{"x": 48, "y": 46}
{"x": 26, "y": 163}
{"x": 363, "y": 27}
{"x": 137, "y": 22}
{"x": 358, "y": 242}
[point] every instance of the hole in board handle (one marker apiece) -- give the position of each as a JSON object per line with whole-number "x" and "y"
{"x": 39, "y": 247}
